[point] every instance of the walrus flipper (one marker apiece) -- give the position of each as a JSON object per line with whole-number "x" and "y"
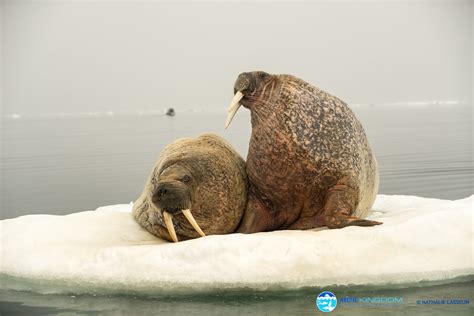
{"x": 256, "y": 217}
{"x": 339, "y": 206}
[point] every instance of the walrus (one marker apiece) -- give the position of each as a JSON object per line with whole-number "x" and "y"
{"x": 309, "y": 162}
{"x": 197, "y": 187}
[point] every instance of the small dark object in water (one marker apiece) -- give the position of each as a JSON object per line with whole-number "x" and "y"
{"x": 170, "y": 112}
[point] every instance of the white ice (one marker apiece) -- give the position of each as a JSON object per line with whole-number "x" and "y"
{"x": 105, "y": 250}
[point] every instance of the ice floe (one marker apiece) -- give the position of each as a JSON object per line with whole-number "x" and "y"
{"x": 106, "y": 251}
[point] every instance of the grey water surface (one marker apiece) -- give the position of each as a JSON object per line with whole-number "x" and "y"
{"x": 65, "y": 165}
{"x": 405, "y": 301}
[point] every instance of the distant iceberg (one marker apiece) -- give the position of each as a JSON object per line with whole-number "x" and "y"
{"x": 105, "y": 251}
{"x": 12, "y": 116}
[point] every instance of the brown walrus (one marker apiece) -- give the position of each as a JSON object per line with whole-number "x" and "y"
{"x": 309, "y": 163}
{"x": 198, "y": 186}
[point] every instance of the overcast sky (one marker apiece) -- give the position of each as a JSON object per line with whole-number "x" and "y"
{"x": 72, "y": 56}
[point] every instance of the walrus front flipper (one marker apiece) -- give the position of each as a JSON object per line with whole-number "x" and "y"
{"x": 339, "y": 206}
{"x": 256, "y": 217}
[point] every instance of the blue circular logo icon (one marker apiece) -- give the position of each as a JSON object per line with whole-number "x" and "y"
{"x": 326, "y": 301}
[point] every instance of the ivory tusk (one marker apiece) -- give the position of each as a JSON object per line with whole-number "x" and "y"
{"x": 234, "y": 107}
{"x": 169, "y": 225}
{"x": 235, "y": 99}
{"x": 193, "y": 222}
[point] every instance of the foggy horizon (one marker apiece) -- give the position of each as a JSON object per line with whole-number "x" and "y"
{"x": 108, "y": 56}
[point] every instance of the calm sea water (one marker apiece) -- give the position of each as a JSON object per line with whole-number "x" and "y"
{"x": 60, "y": 166}
{"x": 65, "y": 165}
{"x": 300, "y": 302}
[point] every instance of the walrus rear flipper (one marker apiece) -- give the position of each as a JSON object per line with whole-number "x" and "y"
{"x": 339, "y": 205}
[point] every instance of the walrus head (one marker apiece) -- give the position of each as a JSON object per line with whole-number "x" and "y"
{"x": 252, "y": 89}
{"x": 173, "y": 195}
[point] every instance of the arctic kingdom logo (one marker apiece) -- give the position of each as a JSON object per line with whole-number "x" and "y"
{"x": 326, "y": 301}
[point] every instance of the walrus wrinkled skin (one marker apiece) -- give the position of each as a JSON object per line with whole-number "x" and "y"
{"x": 309, "y": 162}
{"x": 203, "y": 175}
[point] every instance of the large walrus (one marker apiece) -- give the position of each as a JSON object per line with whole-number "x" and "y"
{"x": 309, "y": 163}
{"x": 198, "y": 186}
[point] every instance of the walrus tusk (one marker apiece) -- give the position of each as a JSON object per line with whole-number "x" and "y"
{"x": 237, "y": 97}
{"x": 193, "y": 222}
{"x": 234, "y": 107}
{"x": 169, "y": 225}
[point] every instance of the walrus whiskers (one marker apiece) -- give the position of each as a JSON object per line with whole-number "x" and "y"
{"x": 193, "y": 222}
{"x": 169, "y": 225}
{"x": 234, "y": 107}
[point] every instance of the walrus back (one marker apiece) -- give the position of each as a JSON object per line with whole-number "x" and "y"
{"x": 326, "y": 129}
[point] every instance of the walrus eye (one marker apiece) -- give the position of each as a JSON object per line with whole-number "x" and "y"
{"x": 185, "y": 178}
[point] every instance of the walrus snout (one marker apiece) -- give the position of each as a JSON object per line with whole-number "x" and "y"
{"x": 241, "y": 87}
{"x": 172, "y": 197}
{"x": 249, "y": 85}
{"x": 243, "y": 82}
{"x": 249, "y": 82}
